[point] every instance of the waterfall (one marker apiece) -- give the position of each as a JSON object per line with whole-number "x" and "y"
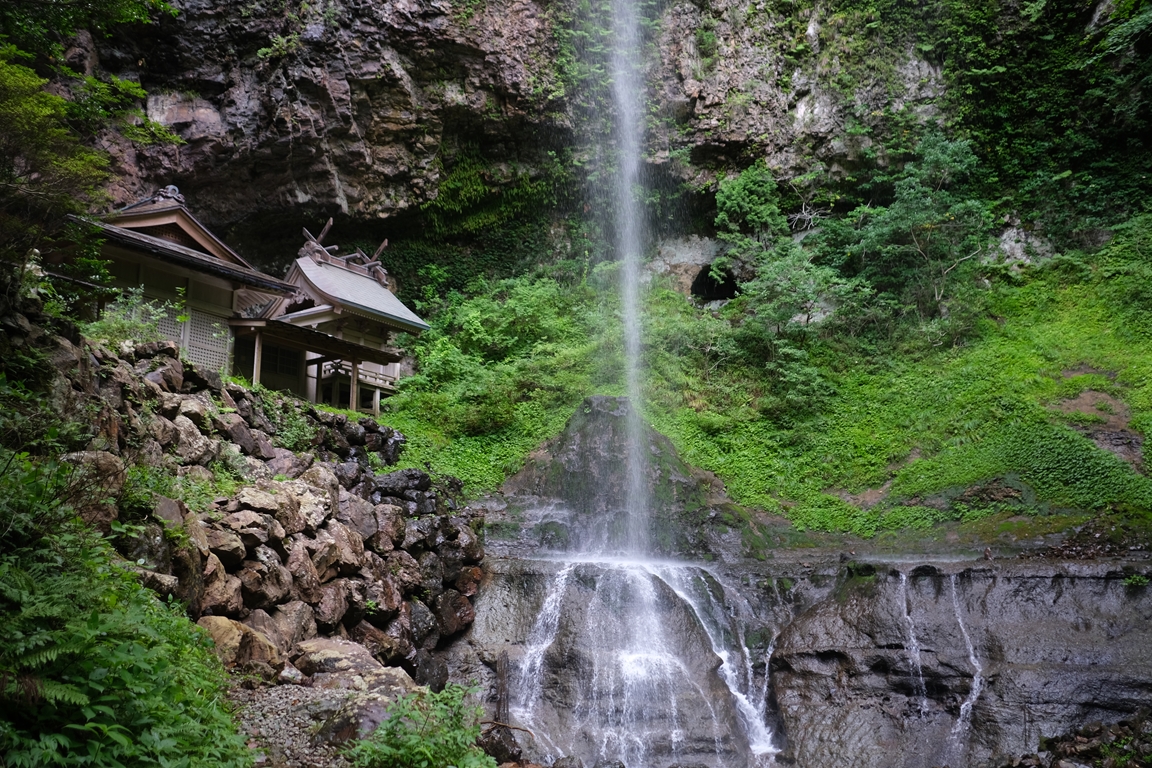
{"x": 627, "y": 658}
{"x": 642, "y": 693}
{"x": 530, "y": 677}
{"x": 913, "y": 645}
{"x": 965, "y": 718}
{"x": 727, "y": 639}
{"x": 628, "y": 98}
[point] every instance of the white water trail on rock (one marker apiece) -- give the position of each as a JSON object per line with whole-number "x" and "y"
{"x": 530, "y": 679}
{"x": 642, "y": 699}
{"x": 965, "y": 719}
{"x": 913, "y": 645}
{"x": 728, "y": 643}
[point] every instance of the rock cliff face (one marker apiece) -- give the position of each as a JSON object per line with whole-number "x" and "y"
{"x": 357, "y": 108}
{"x": 936, "y": 665}
{"x": 891, "y": 665}
{"x": 571, "y": 495}
{"x": 345, "y": 106}
{"x": 912, "y": 664}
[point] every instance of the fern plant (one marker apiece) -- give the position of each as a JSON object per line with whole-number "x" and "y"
{"x": 425, "y": 730}
{"x": 94, "y": 670}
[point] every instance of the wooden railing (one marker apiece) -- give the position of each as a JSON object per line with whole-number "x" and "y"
{"x": 370, "y": 378}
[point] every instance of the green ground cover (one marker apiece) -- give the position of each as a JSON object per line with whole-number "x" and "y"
{"x": 972, "y": 414}
{"x": 923, "y": 423}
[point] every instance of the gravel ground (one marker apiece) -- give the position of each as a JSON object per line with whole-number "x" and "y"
{"x": 279, "y": 721}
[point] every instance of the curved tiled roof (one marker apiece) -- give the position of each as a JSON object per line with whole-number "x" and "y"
{"x": 175, "y": 253}
{"x": 360, "y": 293}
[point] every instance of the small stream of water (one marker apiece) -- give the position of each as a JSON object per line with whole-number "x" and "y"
{"x": 913, "y": 645}
{"x": 960, "y": 729}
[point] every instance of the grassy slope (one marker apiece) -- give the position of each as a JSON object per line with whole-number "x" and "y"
{"x": 931, "y": 423}
{"x": 972, "y": 414}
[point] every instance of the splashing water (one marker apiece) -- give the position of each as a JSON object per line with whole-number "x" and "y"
{"x": 726, "y": 635}
{"x": 636, "y": 637}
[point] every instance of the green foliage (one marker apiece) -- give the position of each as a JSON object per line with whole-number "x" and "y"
{"x": 293, "y": 429}
{"x": 498, "y": 373}
{"x": 39, "y": 27}
{"x": 1053, "y": 97}
{"x": 97, "y": 103}
{"x": 28, "y": 421}
{"x": 706, "y": 42}
{"x": 280, "y": 46}
{"x": 290, "y": 18}
{"x": 431, "y": 266}
{"x": 916, "y": 249}
{"x": 33, "y": 503}
{"x": 476, "y": 196}
{"x": 748, "y": 209}
{"x": 93, "y": 669}
{"x": 45, "y": 172}
{"x": 425, "y": 730}
{"x": 144, "y": 483}
{"x": 1136, "y": 580}
{"x": 130, "y": 317}
{"x": 932, "y": 420}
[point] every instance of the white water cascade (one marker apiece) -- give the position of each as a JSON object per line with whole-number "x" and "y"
{"x": 913, "y": 645}
{"x": 658, "y": 666}
{"x": 628, "y": 658}
{"x": 965, "y": 719}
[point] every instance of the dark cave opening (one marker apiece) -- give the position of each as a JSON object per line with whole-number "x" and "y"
{"x": 707, "y": 288}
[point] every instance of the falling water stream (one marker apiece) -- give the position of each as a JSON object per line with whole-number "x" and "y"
{"x": 960, "y": 729}
{"x": 655, "y": 667}
{"x": 658, "y": 672}
{"x": 913, "y": 645}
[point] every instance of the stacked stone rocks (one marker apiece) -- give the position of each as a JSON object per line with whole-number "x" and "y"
{"x": 311, "y": 555}
{"x": 317, "y": 544}
{"x": 195, "y": 415}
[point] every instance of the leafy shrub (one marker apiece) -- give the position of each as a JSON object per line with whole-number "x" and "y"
{"x": 144, "y": 483}
{"x": 46, "y": 170}
{"x": 130, "y": 317}
{"x": 498, "y": 373}
{"x": 919, "y": 248}
{"x": 425, "y": 730}
{"x": 32, "y": 505}
{"x": 293, "y": 430}
{"x": 28, "y": 421}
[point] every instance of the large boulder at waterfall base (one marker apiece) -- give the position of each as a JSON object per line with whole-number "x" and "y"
{"x": 499, "y": 743}
{"x": 583, "y": 472}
